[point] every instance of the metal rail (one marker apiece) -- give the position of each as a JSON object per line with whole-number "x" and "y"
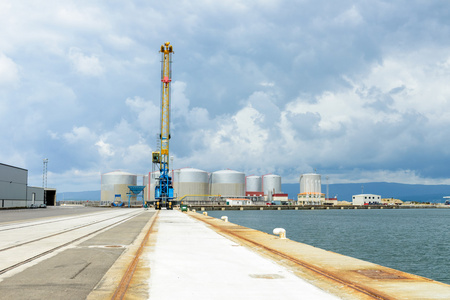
{"x": 122, "y": 288}
{"x": 298, "y": 262}
{"x": 16, "y": 265}
{"x": 44, "y": 223}
{"x": 63, "y": 232}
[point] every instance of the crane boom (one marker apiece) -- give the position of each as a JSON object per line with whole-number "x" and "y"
{"x": 164, "y": 189}
{"x": 166, "y": 78}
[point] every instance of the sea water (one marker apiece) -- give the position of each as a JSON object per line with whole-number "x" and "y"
{"x": 415, "y": 241}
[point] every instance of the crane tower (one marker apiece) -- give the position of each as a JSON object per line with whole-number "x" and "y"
{"x": 163, "y": 188}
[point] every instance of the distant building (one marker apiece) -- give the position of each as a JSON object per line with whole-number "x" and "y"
{"x": 15, "y": 192}
{"x": 280, "y": 197}
{"x": 238, "y": 201}
{"x": 331, "y": 201}
{"x": 365, "y": 199}
{"x": 254, "y": 194}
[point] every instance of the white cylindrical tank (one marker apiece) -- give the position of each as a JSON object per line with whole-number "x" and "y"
{"x": 228, "y": 183}
{"x": 310, "y": 183}
{"x": 151, "y": 185}
{"x": 271, "y": 184}
{"x": 116, "y": 183}
{"x": 190, "y": 181}
{"x": 311, "y": 188}
{"x": 253, "y": 184}
{"x": 147, "y": 187}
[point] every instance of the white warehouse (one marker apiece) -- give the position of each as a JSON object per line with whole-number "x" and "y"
{"x": 363, "y": 199}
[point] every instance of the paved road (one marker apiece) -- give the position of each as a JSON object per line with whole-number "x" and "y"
{"x": 14, "y": 215}
{"x": 72, "y": 271}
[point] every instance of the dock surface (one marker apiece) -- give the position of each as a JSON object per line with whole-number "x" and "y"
{"x": 144, "y": 254}
{"x": 188, "y": 260}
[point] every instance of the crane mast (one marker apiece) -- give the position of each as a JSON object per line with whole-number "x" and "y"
{"x": 163, "y": 188}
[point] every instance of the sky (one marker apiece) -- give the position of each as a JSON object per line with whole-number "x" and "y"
{"x": 354, "y": 90}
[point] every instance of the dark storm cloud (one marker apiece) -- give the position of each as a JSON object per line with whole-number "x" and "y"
{"x": 354, "y": 87}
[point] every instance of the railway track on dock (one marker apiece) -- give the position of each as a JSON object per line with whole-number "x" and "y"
{"x": 19, "y": 249}
{"x": 27, "y": 223}
{"x": 250, "y": 238}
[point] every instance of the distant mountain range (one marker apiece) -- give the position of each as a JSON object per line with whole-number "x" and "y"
{"x": 405, "y": 192}
{"x": 88, "y": 195}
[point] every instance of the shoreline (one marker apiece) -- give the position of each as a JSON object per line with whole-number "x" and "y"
{"x": 209, "y": 207}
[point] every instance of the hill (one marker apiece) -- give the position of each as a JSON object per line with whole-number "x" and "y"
{"x": 344, "y": 191}
{"x": 404, "y": 192}
{"x": 87, "y": 195}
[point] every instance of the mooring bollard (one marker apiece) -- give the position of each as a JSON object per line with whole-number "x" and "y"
{"x": 281, "y": 232}
{"x": 225, "y": 218}
{"x": 205, "y": 213}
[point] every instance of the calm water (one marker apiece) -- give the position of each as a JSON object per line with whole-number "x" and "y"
{"x": 416, "y": 241}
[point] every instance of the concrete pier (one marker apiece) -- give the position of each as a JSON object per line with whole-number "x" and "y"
{"x": 175, "y": 255}
{"x": 193, "y": 256}
{"x": 188, "y": 260}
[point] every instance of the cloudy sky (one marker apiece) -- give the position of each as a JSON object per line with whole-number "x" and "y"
{"x": 357, "y": 90}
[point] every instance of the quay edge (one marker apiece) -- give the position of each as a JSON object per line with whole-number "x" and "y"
{"x": 344, "y": 276}
{"x": 209, "y": 207}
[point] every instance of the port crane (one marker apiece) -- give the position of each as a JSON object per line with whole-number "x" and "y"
{"x": 160, "y": 159}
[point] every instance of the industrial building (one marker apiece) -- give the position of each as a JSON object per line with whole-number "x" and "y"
{"x": 115, "y": 187}
{"x": 310, "y": 190}
{"x": 164, "y": 187}
{"x": 280, "y": 198}
{"x": 15, "y": 192}
{"x": 194, "y": 185}
{"x": 238, "y": 201}
{"x": 365, "y": 199}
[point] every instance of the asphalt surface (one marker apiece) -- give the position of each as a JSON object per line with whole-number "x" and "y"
{"x": 74, "y": 272}
{"x": 15, "y": 215}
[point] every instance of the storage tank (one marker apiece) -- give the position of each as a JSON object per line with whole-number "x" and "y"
{"x": 190, "y": 181}
{"x": 253, "y": 184}
{"x": 147, "y": 187}
{"x": 228, "y": 183}
{"x": 271, "y": 184}
{"x": 151, "y": 185}
{"x": 310, "y": 184}
{"x": 116, "y": 182}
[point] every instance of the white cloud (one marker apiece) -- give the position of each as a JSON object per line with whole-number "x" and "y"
{"x": 180, "y": 103}
{"x": 83, "y": 17}
{"x": 258, "y": 86}
{"x": 86, "y": 65}
{"x": 104, "y": 149}
{"x": 79, "y": 134}
{"x": 350, "y": 17}
{"x": 138, "y": 154}
{"x": 267, "y": 84}
{"x": 9, "y": 72}
{"x": 148, "y": 113}
{"x": 119, "y": 42}
{"x": 69, "y": 180}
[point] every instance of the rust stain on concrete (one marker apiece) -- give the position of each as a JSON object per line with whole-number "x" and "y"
{"x": 344, "y": 276}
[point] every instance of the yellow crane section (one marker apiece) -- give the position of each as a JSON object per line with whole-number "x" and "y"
{"x": 166, "y": 78}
